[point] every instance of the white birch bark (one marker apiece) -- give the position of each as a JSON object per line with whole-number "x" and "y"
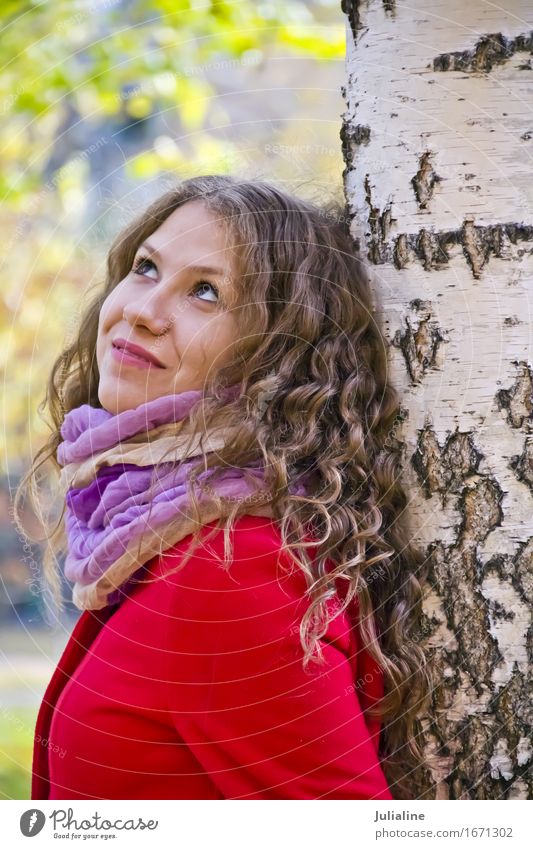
{"x": 438, "y": 145}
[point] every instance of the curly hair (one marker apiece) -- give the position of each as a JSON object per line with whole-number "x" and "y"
{"x": 311, "y": 344}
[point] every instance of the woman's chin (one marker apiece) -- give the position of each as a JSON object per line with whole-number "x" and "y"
{"x": 120, "y": 394}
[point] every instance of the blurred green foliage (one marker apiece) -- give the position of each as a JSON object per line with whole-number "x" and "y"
{"x": 17, "y": 726}
{"x": 111, "y": 63}
{"x": 83, "y": 54}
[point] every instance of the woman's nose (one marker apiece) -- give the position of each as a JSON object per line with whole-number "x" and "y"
{"x": 148, "y": 312}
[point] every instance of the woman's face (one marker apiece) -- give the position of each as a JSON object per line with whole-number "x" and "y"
{"x": 178, "y": 314}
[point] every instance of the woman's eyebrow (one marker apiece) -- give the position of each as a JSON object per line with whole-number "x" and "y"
{"x": 200, "y": 269}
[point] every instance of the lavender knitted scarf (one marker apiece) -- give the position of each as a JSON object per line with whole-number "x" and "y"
{"x": 108, "y": 461}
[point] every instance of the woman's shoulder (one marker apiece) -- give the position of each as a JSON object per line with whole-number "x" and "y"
{"x": 210, "y": 605}
{"x": 258, "y": 593}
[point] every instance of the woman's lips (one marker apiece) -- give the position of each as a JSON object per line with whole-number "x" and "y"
{"x": 126, "y": 358}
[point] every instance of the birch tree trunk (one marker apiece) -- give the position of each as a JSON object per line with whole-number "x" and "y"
{"x": 438, "y": 145}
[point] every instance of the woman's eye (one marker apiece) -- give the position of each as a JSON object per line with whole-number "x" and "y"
{"x": 202, "y": 284}
{"x": 141, "y": 263}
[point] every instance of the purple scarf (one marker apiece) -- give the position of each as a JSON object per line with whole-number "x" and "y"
{"x": 114, "y": 456}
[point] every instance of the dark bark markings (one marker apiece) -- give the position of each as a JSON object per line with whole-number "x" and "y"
{"x": 351, "y": 10}
{"x": 490, "y": 50}
{"x": 424, "y": 180}
{"x": 518, "y": 401}
{"x": 380, "y": 222}
{"x": 351, "y": 139}
{"x": 420, "y": 341}
{"x": 477, "y": 242}
{"x": 456, "y": 574}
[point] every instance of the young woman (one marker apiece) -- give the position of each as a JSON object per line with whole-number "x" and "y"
{"x": 234, "y": 524}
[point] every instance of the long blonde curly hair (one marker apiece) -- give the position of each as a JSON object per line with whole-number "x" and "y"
{"x": 311, "y": 344}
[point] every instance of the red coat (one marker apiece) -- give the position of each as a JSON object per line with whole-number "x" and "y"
{"x": 193, "y": 688}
